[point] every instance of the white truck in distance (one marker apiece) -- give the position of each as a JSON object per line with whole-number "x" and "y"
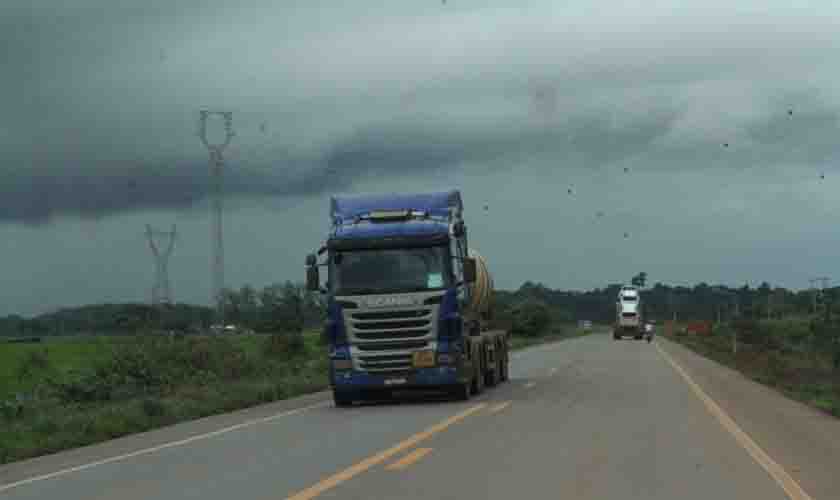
{"x": 628, "y": 321}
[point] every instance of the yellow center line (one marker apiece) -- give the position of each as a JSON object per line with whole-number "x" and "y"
{"x": 777, "y": 472}
{"x": 530, "y": 384}
{"x": 409, "y": 459}
{"x": 356, "y": 469}
{"x": 499, "y": 407}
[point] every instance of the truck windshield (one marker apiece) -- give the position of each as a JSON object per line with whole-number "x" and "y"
{"x": 358, "y": 272}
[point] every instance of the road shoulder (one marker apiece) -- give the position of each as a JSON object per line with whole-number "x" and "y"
{"x": 801, "y": 439}
{"x": 163, "y": 437}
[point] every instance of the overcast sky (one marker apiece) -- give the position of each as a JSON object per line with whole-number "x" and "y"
{"x": 699, "y": 142}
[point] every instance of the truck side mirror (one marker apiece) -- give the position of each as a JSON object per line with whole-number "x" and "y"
{"x": 313, "y": 278}
{"x": 460, "y": 230}
{"x": 470, "y": 270}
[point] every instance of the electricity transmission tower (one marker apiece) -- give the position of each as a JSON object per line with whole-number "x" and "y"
{"x": 818, "y": 291}
{"x": 217, "y": 164}
{"x": 162, "y": 292}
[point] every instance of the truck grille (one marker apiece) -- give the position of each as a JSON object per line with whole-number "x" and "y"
{"x": 383, "y": 341}
{"x": 393, "y": 346}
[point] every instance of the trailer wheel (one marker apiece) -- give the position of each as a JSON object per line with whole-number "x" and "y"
{"x": 478, "y": 375}
{"x": 493, "y": 376}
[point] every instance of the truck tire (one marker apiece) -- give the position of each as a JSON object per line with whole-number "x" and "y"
{"x": 492, "y": 376}
{"x": 462, "y": 392}
{"x": 503, "y": 373}
{"x": 342, "y": 399}
{"x": 616, "y": 335}
{"x": 478, "y": 376}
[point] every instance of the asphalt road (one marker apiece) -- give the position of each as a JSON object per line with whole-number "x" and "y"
{"x": 588, "y": 418}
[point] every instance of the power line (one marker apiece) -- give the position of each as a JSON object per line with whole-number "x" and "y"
{"x": 217, "y": 163}
{"x": 162, "y": 291}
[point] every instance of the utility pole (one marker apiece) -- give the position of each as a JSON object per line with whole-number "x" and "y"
{"x": 671, "y": 304}
{"x": 217, "y": 164}
{"x": 162, "y": 292}
{"x": 817, "y": 292}
{"x": 813, "y": 283}
{"x": 769, "y": 304}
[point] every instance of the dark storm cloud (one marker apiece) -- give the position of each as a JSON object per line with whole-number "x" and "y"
{"x": 388, "y": 150}
{"x": 102, "y": 98}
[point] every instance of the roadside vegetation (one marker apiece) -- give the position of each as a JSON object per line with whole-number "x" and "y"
{"x": 142, "y": 383}
{"x": 81, "y": 376}
{"x": 798, "y": 356}
{"x": 84, "y": 375}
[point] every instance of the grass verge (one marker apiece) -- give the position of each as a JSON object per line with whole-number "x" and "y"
{"x": 796, "y": 374}
{"x": 64, "y": 395}
{"x": 64, "y": 401}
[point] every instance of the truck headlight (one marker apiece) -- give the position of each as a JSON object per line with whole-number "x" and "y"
{"x": 342, "y": 364}
{"x": 446, "y": 359}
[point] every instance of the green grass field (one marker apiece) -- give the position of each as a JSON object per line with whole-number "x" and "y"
{"x": 64, "y": 355}
{"x": 95, "y": 389}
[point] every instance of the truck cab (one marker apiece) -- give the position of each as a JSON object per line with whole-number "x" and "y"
{"x": 628, "y": 313}
{"x": 400, "y": 300}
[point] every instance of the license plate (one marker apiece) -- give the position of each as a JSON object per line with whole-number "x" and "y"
{"x": 424, "y": 359}
{"x": 395, "y": 381}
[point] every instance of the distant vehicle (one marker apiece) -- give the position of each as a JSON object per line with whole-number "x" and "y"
{"x": 225, "y": 330}
{"x": 585, "y": 324}
{"x": 408, "y": 300}
{"x": 628, "y": 314}
{"x": 649, "y": 330}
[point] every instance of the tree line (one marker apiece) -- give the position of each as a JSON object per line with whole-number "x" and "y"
{"x": 698, "y": 302}
{"x": 290, "y": 307}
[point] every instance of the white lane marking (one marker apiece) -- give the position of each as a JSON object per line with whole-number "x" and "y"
{"x": 153, "y": 449}
{"x": 552, "y": 371}
{"x": 530, "y": 384}
{"x": 776, "y": 471}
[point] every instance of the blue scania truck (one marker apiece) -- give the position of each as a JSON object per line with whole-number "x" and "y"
{"x": 408, "y": 301}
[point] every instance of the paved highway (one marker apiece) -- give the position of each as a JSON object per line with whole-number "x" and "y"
{"x": 588, "y": 418}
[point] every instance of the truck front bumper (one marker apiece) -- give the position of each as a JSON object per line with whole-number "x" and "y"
{"x": 418, "y": 378}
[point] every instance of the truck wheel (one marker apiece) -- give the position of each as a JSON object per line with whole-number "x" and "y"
{"x": 478, "y": 377}
{"x": 462, "y": 392}
{"x": 492, "y": 377}
{"x": 504, "y": 371}
{"x": 342, "y": 399}
{"x": 616, "y": 336}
